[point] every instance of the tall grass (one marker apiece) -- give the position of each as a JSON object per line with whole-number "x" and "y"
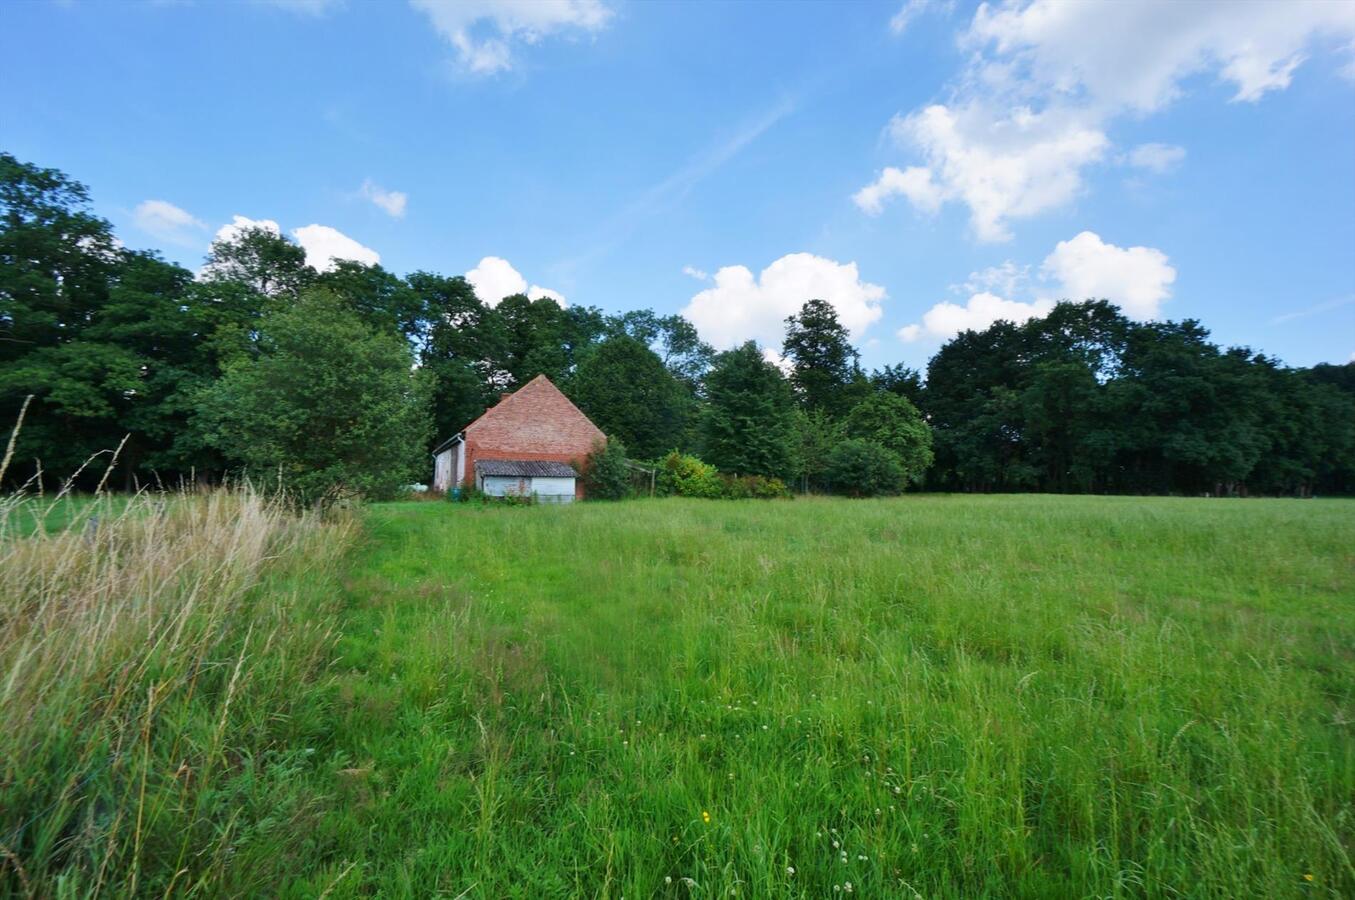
{"x": 923, "y": 697}
{"x": 149, "y": 654}
{"x": 927, "y": 696}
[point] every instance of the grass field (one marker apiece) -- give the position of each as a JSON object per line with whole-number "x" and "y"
{"x": 933, "y": 696}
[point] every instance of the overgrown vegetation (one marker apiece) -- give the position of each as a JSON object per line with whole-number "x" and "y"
{"x": 155, "y": 658}
{"x": 929, "y": 696}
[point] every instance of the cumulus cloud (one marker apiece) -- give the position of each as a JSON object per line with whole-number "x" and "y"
{"x": 391, "y": 202}
{"x": 484, "y": 32}
{"x": 1157, "y": 158}
{"x": 945, "y": 320}
{"x": 1047, "y": 79}
{"x": 914, "y": 182}
{"x": 167, "y": 222}
{"x": 694, "y": 272}
{"x": 237, "y": 224}
{"x": 1137, "y": 279}
{"x": 495, "y": 278}
{"x": 1002, "y": 167}
{"x": 740, "y": 306}
{"x": 325, "y": 246}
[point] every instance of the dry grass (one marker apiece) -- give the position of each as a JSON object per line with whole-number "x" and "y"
{"x": 127, "y": 642}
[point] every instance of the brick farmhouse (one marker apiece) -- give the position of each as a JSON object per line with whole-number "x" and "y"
{"x": 534, "y": 441}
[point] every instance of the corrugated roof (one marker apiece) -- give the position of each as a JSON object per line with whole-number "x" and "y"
{"x": 525, "y": 468}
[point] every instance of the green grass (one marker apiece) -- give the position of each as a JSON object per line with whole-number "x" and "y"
{"x": 934, "y": 696}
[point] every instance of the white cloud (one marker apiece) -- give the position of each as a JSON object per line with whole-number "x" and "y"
{"x": 694, "y": 272}
{"x": 536, "y": 292}
{"x": 945, "y": 320}
{"x": 1137, "y": 279}
{"x": 1047, "y": 79}
{"x": 325, "y": 246}
{"x": 739, "y": 307}
{"x": 1134, "y": 55}
{"x": 1001, "y": 166}
{"x": 915, "y": 183}
{"x": 1158, "y": 158}
{"x": 392, "y": 202}
{"x": 495, "y": 278}
{"x": 230, "y": 230}
{"x": 911, "y": 9}
{"x": 167, "y": 222}
{"x": 484, "y": 31}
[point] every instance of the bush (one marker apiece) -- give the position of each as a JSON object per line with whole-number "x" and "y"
{"x": 605, "y": 474}
{"x": 860, "y": 468}
{"x": 753, "y": 487}
{"x": 682, "y": 475}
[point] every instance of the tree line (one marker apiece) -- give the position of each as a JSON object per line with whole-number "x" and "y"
{"x": 347, "y": 377}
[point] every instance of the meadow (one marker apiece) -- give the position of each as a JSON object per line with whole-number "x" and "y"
{"x": 928, "y": 696}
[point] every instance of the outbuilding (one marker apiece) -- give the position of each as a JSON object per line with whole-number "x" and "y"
{"x": 533, "y": 442}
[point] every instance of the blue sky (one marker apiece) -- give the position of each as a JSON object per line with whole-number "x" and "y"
{"x": 925, "y": 166}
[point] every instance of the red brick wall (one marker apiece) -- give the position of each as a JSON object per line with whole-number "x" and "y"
{"x": 537, "y": 423}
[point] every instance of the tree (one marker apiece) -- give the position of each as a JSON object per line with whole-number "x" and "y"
{"x": 624, "y": 388}
{"x": 382, "y": 300}
{"x": 262, "y": 259}
{"x": 895, "y": 424}
{"x": 749, "y": 425}
{"x": 860, "y": 468}
{"x": 463, "y": 349}
{"x": 901, "y": 380}
{"x": 816, "y": 436}
{"x": 824, "y": 370}
{"x": 673, "y": 337}
{"x": 329, "y": 405}
{"x": 606, "y": 475}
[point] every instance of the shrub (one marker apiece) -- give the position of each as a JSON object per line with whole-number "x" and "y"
{"x": 682, "y": 475}
{"x": 605, "y": 474}
{"x": 753, "y": 487}
{"x": 860, "y": 468}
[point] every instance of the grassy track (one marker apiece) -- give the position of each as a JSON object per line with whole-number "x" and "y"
{"x": 922, "y": 697}
{"x": 1032, "y": 696}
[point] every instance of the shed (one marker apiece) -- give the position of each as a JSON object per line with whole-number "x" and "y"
{"x": 549, "y": 482}
{"x": 533, "y": 441}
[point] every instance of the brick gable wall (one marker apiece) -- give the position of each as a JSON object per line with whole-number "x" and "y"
{"x": 538, "y": 423}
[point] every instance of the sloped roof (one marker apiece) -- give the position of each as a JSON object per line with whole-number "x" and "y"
{"x": 525, "y": 468}
{"x": 537, "y": 418}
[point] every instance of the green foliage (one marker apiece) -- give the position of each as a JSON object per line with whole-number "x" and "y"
{"x": 1038, "y": 694}
{"x": 861, "y": 468}
{"x": 1086, "y": 400}
{"x": 329, "y": 406}
{"x": 263, "y": 260}
{"x": 824, "y": 368}
{"x": 749, "y": 425}
{"x": 605, "y": 474}
{"x": 894, "y": 423}
{"x": 753, "y": 487}
{"x": 682, "y": 475}
{"x": 625, "y": 389}
{"x": 674, "y": 338}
